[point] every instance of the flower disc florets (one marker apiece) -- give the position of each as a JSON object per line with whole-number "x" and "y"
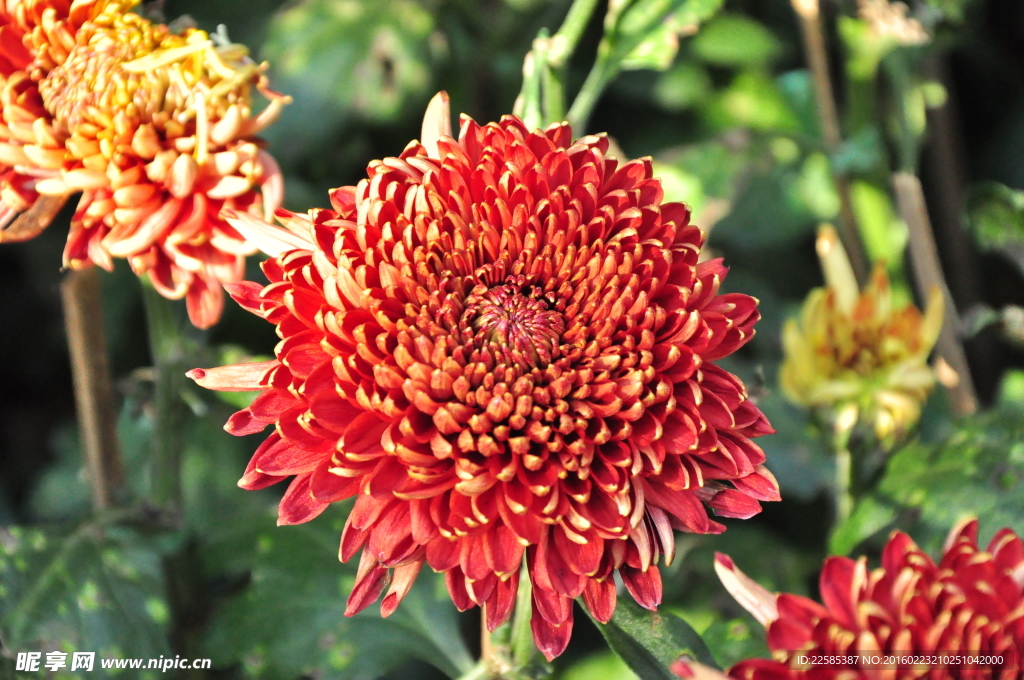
{"x": 154, "y": 128}
{"x": 502, "y": 346}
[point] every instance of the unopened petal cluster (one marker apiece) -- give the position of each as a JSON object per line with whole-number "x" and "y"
{"x": 855, "y": 349}
{"x": 502, "y": 346}
{"x": 969, "y": 605}
{"x": 155, "y": 130}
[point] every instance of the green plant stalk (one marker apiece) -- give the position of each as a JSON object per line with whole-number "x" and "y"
{"x": 168, "y": 349}
{"x": 597, "y": 80}
{"x": 527, "y": 661}
{"x": 924, "y": 252}
{"x": 908, "y": 145}
{"x": 94, "y": 393}
{"x": 844, "y": 480}
{"x": 828, "y": 119}
{"x": 568, "y": 36}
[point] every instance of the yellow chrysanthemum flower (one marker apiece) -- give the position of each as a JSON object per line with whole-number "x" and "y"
{"x": 852, "y": 352}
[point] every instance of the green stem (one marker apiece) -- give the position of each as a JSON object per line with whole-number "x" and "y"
{"x": 168, "y": 348}
{"x": 560, "y": 50}
{"x": 844, "y": 484}
{"x": 600, "y": 75}
{"x": 481, "y": 671}
{"x": 564, "y": 42}
{"x": 908, "y": 144}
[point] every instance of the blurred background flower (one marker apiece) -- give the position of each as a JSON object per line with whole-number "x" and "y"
{"x": 852, "y": 353}
{"x": 155, "y": 128}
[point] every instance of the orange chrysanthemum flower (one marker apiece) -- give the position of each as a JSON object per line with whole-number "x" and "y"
{"x": 503, "y": 346}
{"x": 911, "y": 618}
{"x": 154, "y": 128}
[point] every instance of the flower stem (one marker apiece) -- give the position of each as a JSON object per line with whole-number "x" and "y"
{"x": 486, "y": 645}
{"x": 844, "y": 485}
{"x": 828, "y": 118}
{"x": 94, "y": 394}
{"x": 563, "y": 44}
{"x": 598, "y": 78}
{"x": 168, "y": 349}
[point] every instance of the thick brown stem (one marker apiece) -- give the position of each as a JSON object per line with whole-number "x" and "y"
{"x": 924, "y": 257}
{"x": 33, "y": 221}
{"x": 828, "y": 118}
{"x": 94, "y": 394}
{"x": 486, "y": 644}
{"x": 942, "y": 174}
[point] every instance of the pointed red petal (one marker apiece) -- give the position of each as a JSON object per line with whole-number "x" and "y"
{"x": 298, "y": 504}
{"x": 247, "y": 295}
{"x": 552, "y": 606}
{"x": 401, "y": 583}
{"x": 238, "y": 378}
{"x": 733, "y": 503}
{"x": 328, "y": 487}
{"x": 600, "y": 596}
{"x": 551, "y": 639}
{"x": 644, "y": 586}
{"x": 502, "y": 601}
{"x": 242, "y": 423}
{"x": 367, "y": 590}
{"x": 749, "y": 593}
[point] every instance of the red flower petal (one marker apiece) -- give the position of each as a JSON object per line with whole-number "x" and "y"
{"x": 298, "y": 505}
{"x": 644, "y": 586}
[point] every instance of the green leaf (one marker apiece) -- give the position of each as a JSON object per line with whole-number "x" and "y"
{"x": 869, "y": 517}
{"x": 649, "y": 642}
{"x": 976, "y": 470}
{"x": 885, "y": 235}
{"x": 692, "y": 13}
{"x": 656, "y": 51}
{"x": 684, "y": 85}
{"x": 735, "y": 40}
{"x": 753, "y": 99}
{"x": 659, "y": 42}
{"x": 600, "y": 666}
{"x": 99, "y": 588}
{"x": 296, "y": 578}
{"x": 815, "y": 189}
{"x": 996, "y": 216}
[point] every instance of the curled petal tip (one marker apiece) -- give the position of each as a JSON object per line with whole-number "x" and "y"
{"x": 685, "y": 667}
{"x": 437, "y": 123}
{"x": 271, "y": 240}
{"x": 237, "y": 378}
{"x": 753, "y": 597}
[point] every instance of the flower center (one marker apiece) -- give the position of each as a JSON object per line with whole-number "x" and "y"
{"x": 517, "y": 321}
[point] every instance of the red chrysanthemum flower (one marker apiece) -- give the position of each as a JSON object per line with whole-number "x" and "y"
{"x": 503, "y": 346}
{"x": 155, "y": 129}
{"x": 911, "y": 618}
